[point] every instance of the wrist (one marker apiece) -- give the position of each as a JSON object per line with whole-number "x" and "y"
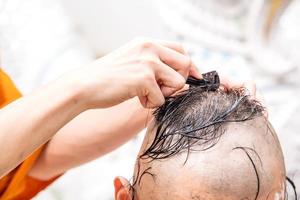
{"x": 68, "y": 95}
{"x": 79, "y": 89}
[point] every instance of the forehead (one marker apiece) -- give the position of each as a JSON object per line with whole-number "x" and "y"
{"x": 213, "y": 169}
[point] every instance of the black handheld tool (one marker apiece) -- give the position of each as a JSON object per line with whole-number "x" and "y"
{"x": 210, "y": 81}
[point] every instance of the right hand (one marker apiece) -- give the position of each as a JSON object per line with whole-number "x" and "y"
{"x": 147, "y": 69}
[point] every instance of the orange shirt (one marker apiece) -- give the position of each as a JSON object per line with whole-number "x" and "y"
{"x": 17, "y": 185}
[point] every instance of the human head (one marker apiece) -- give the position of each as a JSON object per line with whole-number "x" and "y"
{"x": 208, "y": 145}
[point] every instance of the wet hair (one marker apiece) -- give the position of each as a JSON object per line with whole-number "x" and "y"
{"x": 179, "y": 127}
{"x": 181, "y": 130}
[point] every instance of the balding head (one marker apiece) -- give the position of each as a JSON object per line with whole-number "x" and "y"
{"x": 209, "y": 145}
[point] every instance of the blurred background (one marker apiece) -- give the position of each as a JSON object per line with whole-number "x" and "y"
{"x": 246, "y": 40}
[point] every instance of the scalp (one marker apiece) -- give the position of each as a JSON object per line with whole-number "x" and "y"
{"x": 246, "y": 163}
{"x": 209, "y": 145}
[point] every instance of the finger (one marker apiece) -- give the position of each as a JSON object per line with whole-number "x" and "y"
{"x": 168, "y": 79}
{"x": 143, "y": 101}
{"x": 195, "y": 72}
{"x": 176, "y": 46}
{"x": 152, "y": 96}
{"x": 179, "y": 62}
{"x": 169, "y": 91}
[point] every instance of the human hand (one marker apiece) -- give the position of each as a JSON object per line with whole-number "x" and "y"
{"x": 150, "y": 70}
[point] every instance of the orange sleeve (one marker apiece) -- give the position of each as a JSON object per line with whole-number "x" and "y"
{"x": 17, "y": 185}
{"x": 8, "y": 90}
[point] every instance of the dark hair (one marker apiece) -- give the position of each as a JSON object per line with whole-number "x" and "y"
{"x": 180, "y": 129}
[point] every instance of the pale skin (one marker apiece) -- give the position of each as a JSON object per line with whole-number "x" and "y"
{"x": 89, "y": 136}
{"x": 106, "y": 103}
{"x": 85, "y": 138}
{"x": 149, "y": 70}
{"x": 219, "y": 173}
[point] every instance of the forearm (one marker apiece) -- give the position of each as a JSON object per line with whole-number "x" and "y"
{"x": 32, "y": 120}
{"x": 90, "y": 135}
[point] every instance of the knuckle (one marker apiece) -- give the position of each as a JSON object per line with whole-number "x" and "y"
{"x": 188, "y": 62}
{"x": 161, "y": 101}
{"x": 180, "y": 47}
{"x": 147, "y": 76}
{"x": 142, "y": 43}
{"x": 149, "y": 62}
{"x": 146, "y": 45}
{"x": 158, "y": 101}
{"x": 180, "y": 82}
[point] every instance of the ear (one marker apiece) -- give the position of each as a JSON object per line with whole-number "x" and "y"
{"x": 122, "y": 189}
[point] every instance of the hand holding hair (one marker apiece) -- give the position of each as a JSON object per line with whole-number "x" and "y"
{"x": 150, "y": 70}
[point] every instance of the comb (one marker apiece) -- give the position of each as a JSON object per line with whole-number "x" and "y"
{"x": 210, "y": 81}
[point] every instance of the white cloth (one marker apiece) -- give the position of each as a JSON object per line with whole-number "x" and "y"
{"x": 38, "y": 42}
